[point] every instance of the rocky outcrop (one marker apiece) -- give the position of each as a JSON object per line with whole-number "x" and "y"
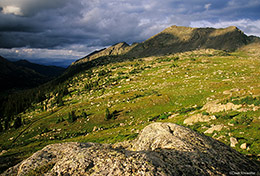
{"x": 198, "y": 118}
{"x": 160, "y": 149}
{"x": 214, "y": 128}
{"x": 214, "y": 106}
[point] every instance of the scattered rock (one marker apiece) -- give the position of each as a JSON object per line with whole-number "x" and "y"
{"x": 213, "y": 107}
{"x": 230, "y": 124}
{"x": 243, "y": 146}
{"x": 121, "y": 124}
{"x": 220, "y": 137}
{"x": 235, "y": 90}
{"x": 233, "y": 142}
{"x": 214, "y": 128}
{"x": 3, "y": 152}
{"x": 214, "y": 135}
{"x": 173, "y": 116}
{"x": 198, "y": 118}
{"x": 130, "y": 123}
{"x": 226, "y": 92}
{"x": 161, "y": 149}
{"x": 225, "y": 80}
{"x": 95, "y": 129}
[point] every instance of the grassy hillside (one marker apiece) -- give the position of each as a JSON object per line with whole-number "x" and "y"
{"x": 203, "y": 89}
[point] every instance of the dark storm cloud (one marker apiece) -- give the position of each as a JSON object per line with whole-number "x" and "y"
{"x": 91, "y": 25}
{"x": 30, "y": 7}
{"x": 79, "y": 26}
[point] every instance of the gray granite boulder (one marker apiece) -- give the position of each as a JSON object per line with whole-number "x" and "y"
{"x": 160, "y": 149}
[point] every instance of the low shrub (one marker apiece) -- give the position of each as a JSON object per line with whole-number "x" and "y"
{"x": 205, "y": 113}
{"x": 249, "y": 100}
{"x": 72, "y": 117}
{"x": 109, "y": 115}
{"x": 163, "y": 116}
{"x": 189, "y": 109}
{"x": 243, "y": 119}
{"x": 59, "y": 120}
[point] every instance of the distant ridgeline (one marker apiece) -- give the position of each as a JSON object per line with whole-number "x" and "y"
{"x": 174, "y": 39}
{"x": 177, "y": 39}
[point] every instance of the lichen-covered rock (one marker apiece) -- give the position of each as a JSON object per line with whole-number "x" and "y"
{"x": 160, "y": 149}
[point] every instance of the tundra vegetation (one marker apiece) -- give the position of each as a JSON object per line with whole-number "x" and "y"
{"x": 210, "y": 91}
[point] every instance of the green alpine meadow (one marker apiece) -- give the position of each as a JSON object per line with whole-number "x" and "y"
{"x": 205, "y": 79}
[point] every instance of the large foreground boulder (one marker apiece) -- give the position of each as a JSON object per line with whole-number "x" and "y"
{"x": 160, "y": 149}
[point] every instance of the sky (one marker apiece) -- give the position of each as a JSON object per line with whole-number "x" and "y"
{"x": 61, "y": 31}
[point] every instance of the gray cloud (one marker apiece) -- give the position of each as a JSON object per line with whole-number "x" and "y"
{"x": 30, "y": 7}
{"x": 63, "y": 24}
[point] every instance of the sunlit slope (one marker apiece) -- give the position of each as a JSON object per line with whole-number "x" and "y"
{"x": 113, "y": 102}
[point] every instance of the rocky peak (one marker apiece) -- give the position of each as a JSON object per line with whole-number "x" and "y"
{"x": 160, "y": 149}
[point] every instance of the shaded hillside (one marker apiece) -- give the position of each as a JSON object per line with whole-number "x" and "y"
{"x": 13, "y": 76}
{"x": 23, "y": 74}
{"x": 48, "y": 71}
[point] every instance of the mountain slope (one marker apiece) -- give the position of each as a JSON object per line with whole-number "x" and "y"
{"x": 13, "y": 76}
{"x": 23, "y": 74}
{"x": 48, "y": 71}
{"x": 211, "y": 91}
{"x": 180, "y": 39}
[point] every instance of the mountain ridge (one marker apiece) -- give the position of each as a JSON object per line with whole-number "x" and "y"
{"x": 49, "y": 71}
{"x": 176, "y": 39}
